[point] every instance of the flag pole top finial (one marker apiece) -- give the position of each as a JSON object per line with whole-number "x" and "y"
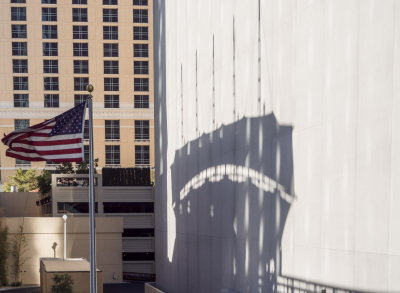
{"x": 89, "y": 88}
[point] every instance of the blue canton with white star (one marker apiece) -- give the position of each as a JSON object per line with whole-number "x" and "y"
{"x": 69, "y": 122}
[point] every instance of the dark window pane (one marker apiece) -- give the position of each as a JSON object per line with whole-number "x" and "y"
{"x": 128, "y": 207}
{"x": 110, "y": 2}
{"x": 110, "y": 15}
{"x": 138, "y": 232}
{"x": 142, "y": 129}
{"x": 79, "y": 14}
{"x": 112, "y": 154}
{"x": 20, "y": 83}
{"x": 111, "y": 129}
{"x": 140, "y": 50}
{"x": 21, "y": 123}
{"x": 74, "y": 207}
{"x": 81, "y": 49}
{"x": 19, "y": 31}
{"x": 81, "y": 66}
{"x": 140, "y": 2}
{"x": 86, "y": 131}
{"x": 80, "y": 32}
{"x": 50, "y": 66}
{"x": 49, "y": 14}
{"x": 111, "y": 101}
{"x": 111, "y": 84}
{"x": 18, "y": 13}
{"x": 110, "y": 50}
{"x": 51, "y": 101}
{"x": 49, "y": 1}
{"x": 142, "y": 155}
{"x": 20, "y": 66}
{"x": 21, "y": 100}
{"x": 141, "y": 84}
{"x": 140, "y": 16}
{"x": 79, "y": 99}
{"x": 19, "y": 48}
{"x": 137, "y": 256}
{"x": 18, "y": 1}
{"x": 111, "y": 67}
{"x": 141, "y": 33}
{"x": 141, "y": 101}
{"x": 50, "y": 49}
{"x": 141, "y": 67}
{"x": 110, "y": 32}
{"x": 49, "y": 31}
{"x": 80, "y": 83}
{"x": 50, "y": 83}
{"x": 79, "y": 1}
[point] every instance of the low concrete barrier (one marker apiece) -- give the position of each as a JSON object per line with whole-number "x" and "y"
{"x": 30, "y": 289}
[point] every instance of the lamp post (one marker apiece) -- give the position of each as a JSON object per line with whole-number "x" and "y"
{"x": 65, "y": 217}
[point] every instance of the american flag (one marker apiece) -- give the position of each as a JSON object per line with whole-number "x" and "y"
{"x": 58, "y": 139}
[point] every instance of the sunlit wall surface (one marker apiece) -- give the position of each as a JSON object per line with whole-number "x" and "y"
{"x": 277, "y": 145}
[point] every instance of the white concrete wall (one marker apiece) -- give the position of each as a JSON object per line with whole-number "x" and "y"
{"x": 319, "y": 114}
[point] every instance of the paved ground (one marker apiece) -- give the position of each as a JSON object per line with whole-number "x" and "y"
{"x": 133, "y": 287}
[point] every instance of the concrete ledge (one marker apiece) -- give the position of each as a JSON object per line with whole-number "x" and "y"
{"x": 150, "y": 288}
{"x": 30, "y": 289}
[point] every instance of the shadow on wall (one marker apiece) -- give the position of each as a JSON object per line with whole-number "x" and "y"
{"x": 232, "y": 190}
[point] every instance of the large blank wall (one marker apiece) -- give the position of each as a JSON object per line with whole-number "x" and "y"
{"x": 306, "y": 93}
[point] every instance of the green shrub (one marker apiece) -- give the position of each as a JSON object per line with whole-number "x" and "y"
{"x": 62, "y": 284}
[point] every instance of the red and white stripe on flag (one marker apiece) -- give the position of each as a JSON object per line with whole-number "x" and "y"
{"x": 59, "y": 139}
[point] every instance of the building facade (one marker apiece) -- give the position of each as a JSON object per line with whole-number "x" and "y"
{"x": 278, "y": 146}
{"x": 50, "y": 50}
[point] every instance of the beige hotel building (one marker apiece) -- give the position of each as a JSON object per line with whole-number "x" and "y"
{"x": 51, "y": 49}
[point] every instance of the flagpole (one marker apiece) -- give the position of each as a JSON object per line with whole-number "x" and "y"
{"x": 92, "y": 212}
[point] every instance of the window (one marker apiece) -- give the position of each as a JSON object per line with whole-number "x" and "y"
{"x": 141, "y": 101}
{"x": 86, "y": 133}
{"x": 137, "y": 256}
{"x": 111, "y": 67}
{"x": 74, "y": 207}
{"x": 79, "y": 1}
{"x": 112, "y": 129}
{"x": 50, "y": 83}
{"x": 51, "y": 101}
{"x": 142, "y": 155}
{"x": 80, "y": 32}
{"x": 86, "y": 152}
{"x": 110, "y": 50}
{"x": 111, "y": 84}
{"x": 140, "y": 2}
{"x": 81, "y": 66}
{"x": 18, "y": 31}
{"x": 110, "y": 2}
{"x": 49, "y": 31}
{"x": 112, "y": 155}
{"x": 20, "y": 66}
{"x": 110, "y": 15}
{"x": 128, "y": 207}
{"x": 49, "y": 14}
{"x": 22, "y": 163}
{"x": 138, "y": 232}
{"x": 110, "y": 32}
{"x": 18, "y": 1}
{"x": 49, "y": 1}
{"x": 80, "y": 83}
{"x": 19, "y": 48}
{"x": 140, "y": 50}
{"x": 50, "y": 49}
{"x": 140, "y": 33}
{"x": 21, "y": 100}
{"x": 111, "y": 101}
{"x": 141, "y": 67}
{"x": 79, "y": 14}
{"x": 50, "y": 66}
{"x": 18, "y": 13}
{"x": 21, "y": 123}
{"x": 140, "y": 16}
{"x": 142, "y": 130}
{"x": 81, "y": 49}
{"x": 141, "y": 84}
{"x": 79, "y": 99}
{"x": 20, "y": 83}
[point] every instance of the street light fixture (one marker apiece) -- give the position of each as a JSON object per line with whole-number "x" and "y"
{"x": 65, "y": 217}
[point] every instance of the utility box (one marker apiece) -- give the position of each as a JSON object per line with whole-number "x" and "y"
{"x": 77, "y": 268}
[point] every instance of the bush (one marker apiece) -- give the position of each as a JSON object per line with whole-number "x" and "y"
{"x": 3, "y": 254}
{"x": 62, "y": 284}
